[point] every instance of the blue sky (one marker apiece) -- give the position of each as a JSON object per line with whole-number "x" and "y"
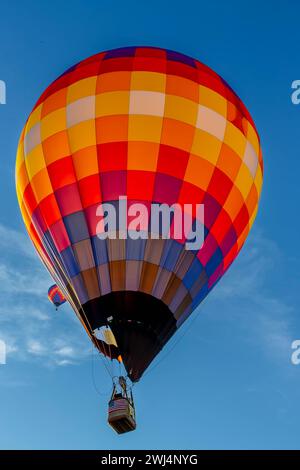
{"x": 229, "y": 382}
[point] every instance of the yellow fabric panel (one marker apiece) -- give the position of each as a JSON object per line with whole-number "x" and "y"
{"x": 145, "y": 128}
{"x": 206, "y": 146}
{"x": 235, "y": 139}
{"x": 82, "y": 88}
{"x": 181, "y": 109}
{"x": 212, "y": 100}
{"x": 33, "y": 119}
{"x": 244, "y": 181}
{"x": 82, "y": 135}
{"x": 53, "y": 123}
{"x": 116, "y": 102}
{"x": 35, "y": 161}
{"x": 151, "y": 81}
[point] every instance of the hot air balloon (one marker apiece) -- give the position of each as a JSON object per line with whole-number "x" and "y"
{"x": 147, "y": 127}
{"x": 56, "y": 296}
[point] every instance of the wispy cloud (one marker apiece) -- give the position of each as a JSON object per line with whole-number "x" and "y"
{"x": 36, "y": 348}
{"x": 251, "y": 283}
{"x": 66, "y": 351}
{"x": 26, "y": 281}
{"x": 12, "y": 240}
{"x": 35, "y": 331}
{"x": 29, "y": 325}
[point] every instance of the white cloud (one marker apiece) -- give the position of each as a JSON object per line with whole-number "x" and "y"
{"x": 65, "y": 362}
{"x": 12, "y": 240}
{"x": 29, "y": 281}
{"x": 29, "y": 325}
{"x": 36, "y": 348}
{"x": 66, "y": 351}
{"x": 254, "y": 302}
{"x": 35, "y": 331}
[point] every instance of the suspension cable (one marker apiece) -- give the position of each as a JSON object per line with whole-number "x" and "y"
{"x": 93, "y": 374}
{"x": 172, "y": 347}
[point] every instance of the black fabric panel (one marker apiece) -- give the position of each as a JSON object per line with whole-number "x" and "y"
{"x": 108, "y": 350}
{"x": 141, "y": 324}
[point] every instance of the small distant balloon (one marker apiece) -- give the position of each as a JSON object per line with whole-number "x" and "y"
{"x": 56, "y": 296}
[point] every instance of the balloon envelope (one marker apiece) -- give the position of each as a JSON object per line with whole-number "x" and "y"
{"x": 155, "y": 127}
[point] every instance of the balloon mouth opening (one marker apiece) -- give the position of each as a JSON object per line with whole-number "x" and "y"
{"x": 141, "y": 323}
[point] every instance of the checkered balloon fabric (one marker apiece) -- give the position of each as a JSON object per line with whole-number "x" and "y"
{"x": 154, "y": 126}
